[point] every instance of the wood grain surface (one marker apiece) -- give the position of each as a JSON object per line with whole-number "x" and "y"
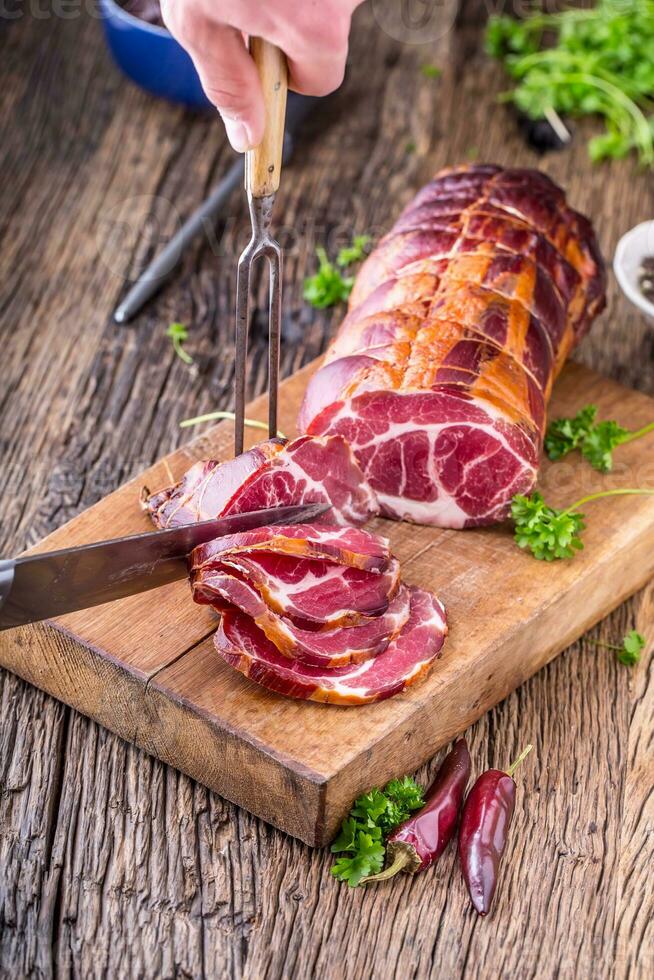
{"x": 112, "y": 864}
{"x": 146, "y": 667}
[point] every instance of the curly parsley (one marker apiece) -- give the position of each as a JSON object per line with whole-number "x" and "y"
{"x": 595, "y": 440}
{"x": 550, "y": 533}
{"x": 329, "y": 286}
{"x": 372, "y": 818}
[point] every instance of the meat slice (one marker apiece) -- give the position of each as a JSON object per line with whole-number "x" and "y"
{"x": 306, "y": 470}
{"x": 311, "y": 591}
{"x": 312, "y": 626}
{"x": 458, "y": 324}
{"x": 207, "y": 488}
{"x": 243, "y": 645}
{"x": 321, "y": 648}
{"x": 341, "y": 545}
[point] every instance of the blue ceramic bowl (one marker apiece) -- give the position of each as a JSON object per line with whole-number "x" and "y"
{"x": 151, "y": 57}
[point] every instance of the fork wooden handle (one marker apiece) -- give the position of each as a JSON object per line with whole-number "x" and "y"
{"x": 263, "y": 165}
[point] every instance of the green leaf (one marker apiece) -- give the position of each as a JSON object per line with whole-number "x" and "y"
{"x": 632, "y": 647}
{"x": 431, "y": 71}
{"x": 596, "y": 440}
{"x": 347, "y": 837}
{"x": 393, "y": 816}
{"x": 369, "y": 806}
{"x": 564, "y": 435}
{"x": 369, "y": 859}
{"x": 548, "y": 533}
{"x": 598, "y": 445}
{"x": 403, "y": 797}
{"x": 406, "y": 792}
{"x": 327, "y": 287}
{"x": 178, "y": 334}
{"x": 354, "y": 252}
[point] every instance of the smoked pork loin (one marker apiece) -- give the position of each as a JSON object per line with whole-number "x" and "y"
{"x": 458, "y": 324}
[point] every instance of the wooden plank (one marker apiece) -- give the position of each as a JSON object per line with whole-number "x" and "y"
{"x": 145, "y": 666}
{"x": 113, "y": 863}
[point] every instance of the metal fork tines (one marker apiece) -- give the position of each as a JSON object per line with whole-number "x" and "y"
{"x": 261, "y": 244}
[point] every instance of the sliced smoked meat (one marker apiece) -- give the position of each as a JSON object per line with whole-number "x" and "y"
{"x": 407, "y": 658}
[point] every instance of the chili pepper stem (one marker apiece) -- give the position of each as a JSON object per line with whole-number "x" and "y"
{"x": 400, "y": 862}
{"x": 605, "y": 493}
{"x": 514, "y": 765}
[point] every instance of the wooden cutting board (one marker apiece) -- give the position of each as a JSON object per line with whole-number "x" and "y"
{"x": 145, "y": 667}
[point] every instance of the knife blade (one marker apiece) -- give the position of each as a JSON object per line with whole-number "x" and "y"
{"x": 52, "y": 583}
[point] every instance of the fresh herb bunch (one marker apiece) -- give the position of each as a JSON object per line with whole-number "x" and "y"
{"x": 633, "y": 644}
{"x": 550, "y": 533}
{"x": 327, "y": 287}
{"x": 372, "y": 818}
{"x": 582, "y": 62}
{"x": 595, "y": 440}
{"x": 178, "y": 333}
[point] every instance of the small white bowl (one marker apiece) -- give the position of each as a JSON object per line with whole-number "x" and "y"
{"x": 633, "y": 247}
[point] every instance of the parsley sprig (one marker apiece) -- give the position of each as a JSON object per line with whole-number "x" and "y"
{"x": 633, "y": 644}
{"x": 550, "y": 533}
{"x": 178, "y": 333}
{"x": 547, "y": 532}
{"x": 585, "y": 62}
{"x": 350, "y": 254}
{"x": 595, "y": 440}
{"x": 329, "y": 286}
{"x": 372, "y": 818}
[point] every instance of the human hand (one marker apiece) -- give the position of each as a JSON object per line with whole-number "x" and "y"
{"x": 313, "y": 34}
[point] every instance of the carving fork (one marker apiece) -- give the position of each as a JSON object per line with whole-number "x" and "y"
{"x": 262, "y": 172}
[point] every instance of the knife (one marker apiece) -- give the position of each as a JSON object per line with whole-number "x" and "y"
{"x": 41, "y": 586}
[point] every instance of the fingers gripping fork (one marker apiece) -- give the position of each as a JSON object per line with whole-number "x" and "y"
{"x": 262, "y": 173}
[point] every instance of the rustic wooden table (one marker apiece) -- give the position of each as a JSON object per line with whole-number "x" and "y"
{"x": 112, "y": 864}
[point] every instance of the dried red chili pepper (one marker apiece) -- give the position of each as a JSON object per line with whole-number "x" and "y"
{"x": 483, "y": 832}
{"x": 421, "y": 839}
